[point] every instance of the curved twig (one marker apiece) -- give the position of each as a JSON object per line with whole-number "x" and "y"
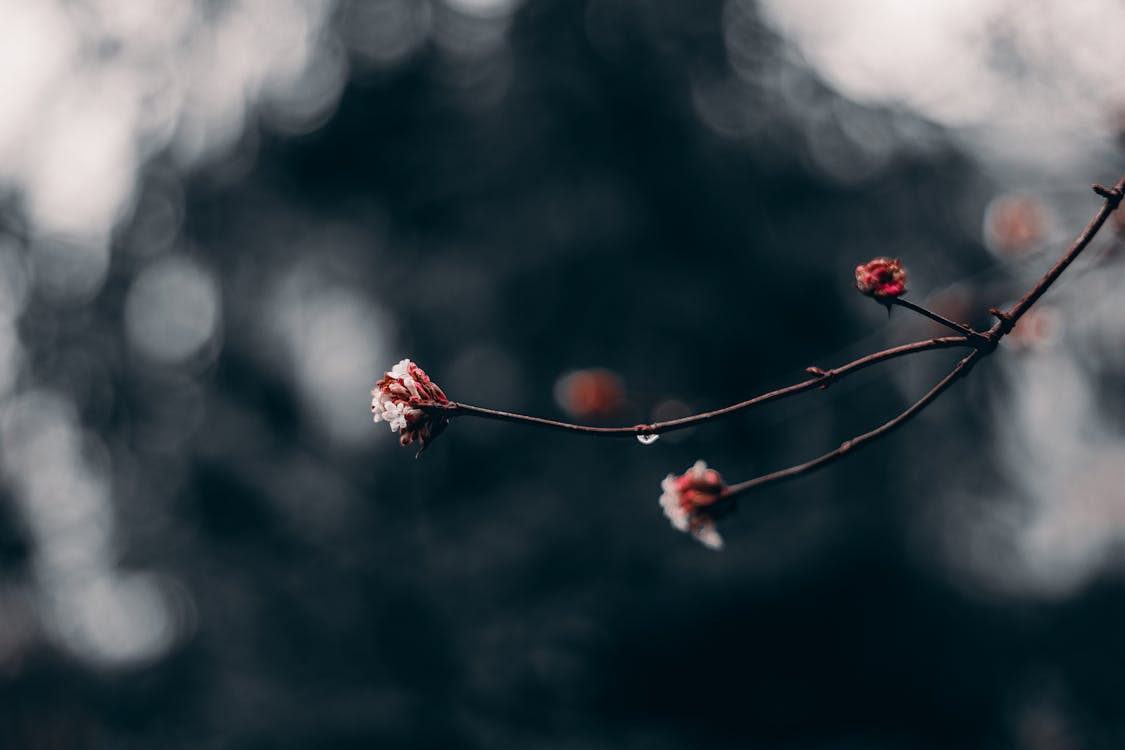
{"x": 925, "y": 312}
{"x": 1113, "y": 197}
{"x": 822, "y": 379}
{"x": 850, "y": 446}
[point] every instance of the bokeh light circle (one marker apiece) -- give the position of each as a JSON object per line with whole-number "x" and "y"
{"x": 172, "y": 310}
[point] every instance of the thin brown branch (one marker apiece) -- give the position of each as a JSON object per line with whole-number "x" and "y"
{"x": 858, "y": 442}
{"x": 925, "y": 312}
{"x": 1112, "y": 198}
{"x": 822, "y": 379}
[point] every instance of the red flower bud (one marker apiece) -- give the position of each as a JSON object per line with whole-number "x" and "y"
{"x": 881, "y": 278}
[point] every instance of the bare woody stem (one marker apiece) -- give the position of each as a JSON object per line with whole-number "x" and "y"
{"x": 855, "y": 443}
{"x": 959, "y": 327}
{"x": 1113, "y": 197}
{"x": 821, "y": 379}
{"x": 1004, "y": 324}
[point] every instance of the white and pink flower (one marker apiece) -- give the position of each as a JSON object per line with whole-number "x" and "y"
{"x": 686, "y": 500}
{"x": 400, "y": 399}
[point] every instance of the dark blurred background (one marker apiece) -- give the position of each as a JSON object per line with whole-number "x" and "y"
{"x": 221, "y": 221}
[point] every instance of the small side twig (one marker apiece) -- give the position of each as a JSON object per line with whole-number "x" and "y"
{"x": 850, "y": 446}
{"x": 1112, "y": 201}
{"x": 925, "y": 312}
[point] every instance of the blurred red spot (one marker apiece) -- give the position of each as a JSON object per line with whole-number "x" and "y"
{"x": 1014, "y": 224}
{"x": 1117, "y": 219}
{"x": 1038, "y": 327}
{"x": 591, "y": 393}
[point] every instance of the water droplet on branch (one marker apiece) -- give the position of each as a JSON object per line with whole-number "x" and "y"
{"x": 647, "y": 439}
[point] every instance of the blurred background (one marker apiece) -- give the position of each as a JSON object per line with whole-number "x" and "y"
{"x": 222, "y": 220}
